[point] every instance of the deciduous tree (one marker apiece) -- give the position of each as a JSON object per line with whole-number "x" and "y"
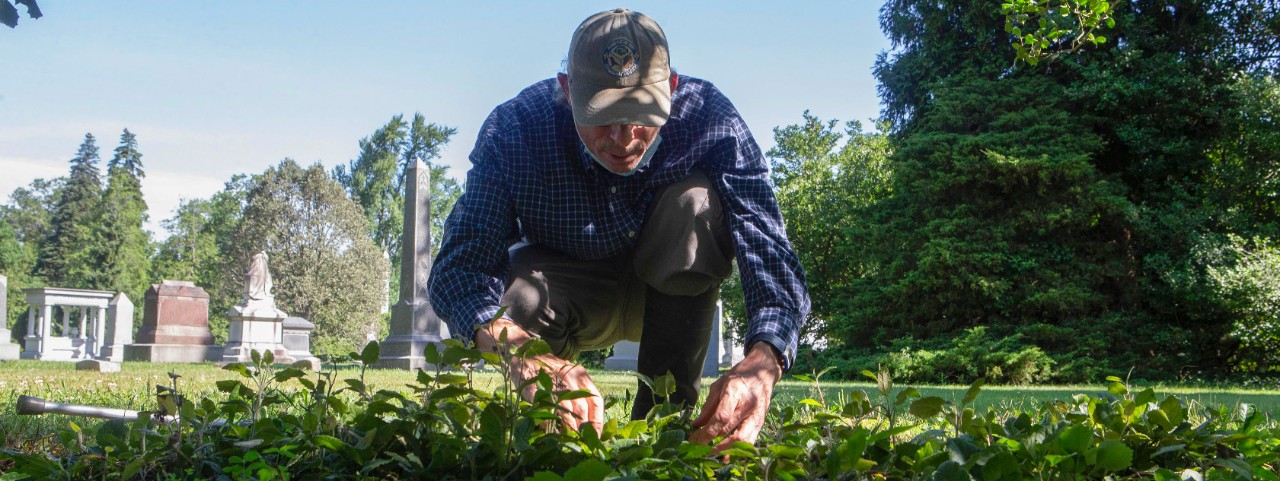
{"x": 324, "y": 265}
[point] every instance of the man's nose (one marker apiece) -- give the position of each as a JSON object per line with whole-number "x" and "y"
{"x": 622, "y": 134}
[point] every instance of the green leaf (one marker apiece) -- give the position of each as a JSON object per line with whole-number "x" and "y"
{"x": 950, "y": 471}
{"x": 533, "y": 347}
{"x": 1075, "y": 439}
{"x": 1239, "y": 466}
{"x": 811, "y": 402}
{"x": 1172, "y": 409}
{"x": 785, "y": 451}
{"x": 229, "y": 385}
{"x": 1114, "y": 455}
{"x": 907, "y": 393}
{"x": 926, "y": 408}
{"x": 973, "y": 391}
{"x": 239, "y": 368}
{"x": 590, "y": 470}
{"x": 571, "y": 395}
{"x": 289, "y": 373}
{"x": 432, "y": 354}
{"x": 369, "y": 356}
{"x": 1116, "y": 388}
{"x": 546, "y": 476}
{"x": 328, "y": 442}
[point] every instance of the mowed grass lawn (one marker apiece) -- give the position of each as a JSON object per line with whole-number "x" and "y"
{"x": 133, "y": 388}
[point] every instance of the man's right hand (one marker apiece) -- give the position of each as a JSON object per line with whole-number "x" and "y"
{"x": 565, "y": 375}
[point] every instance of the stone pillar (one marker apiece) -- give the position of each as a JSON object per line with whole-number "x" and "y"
{"x": 30, "y": 345}
{"x": 414, "y": 323}
{"x": 8, "y": 350}
{"x": 46, "y": 329}
{"x": 66, "y": 321}
{"x": 99, "y": 330}
{"x": 175, "y": 326}
{"x": 119, "y": 329}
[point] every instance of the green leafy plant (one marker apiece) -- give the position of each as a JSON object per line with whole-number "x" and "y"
{"x": 280, "y": 422}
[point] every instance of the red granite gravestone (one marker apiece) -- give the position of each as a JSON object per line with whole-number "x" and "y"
{"x": 176, "y": 312}
{"x": 175, "y": 326}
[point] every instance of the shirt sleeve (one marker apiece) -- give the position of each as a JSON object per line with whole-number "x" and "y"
{"x": 773, "y": 281}
{"x": 469, "y": 276}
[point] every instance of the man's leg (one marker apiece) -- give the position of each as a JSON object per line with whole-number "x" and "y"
{"x": 683, "y": 255}
{"x": 573, "y": 305}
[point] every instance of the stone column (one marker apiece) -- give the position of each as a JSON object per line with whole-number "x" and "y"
{"x": 414, "y": 323}
{"x": 31, "y": 344}
{"x": 66, "y": 322}
{"x": 99, "y": 329}
{"x": 46, "y": 329}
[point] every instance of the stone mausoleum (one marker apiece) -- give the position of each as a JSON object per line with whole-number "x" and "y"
{"x": 77, "y": 324}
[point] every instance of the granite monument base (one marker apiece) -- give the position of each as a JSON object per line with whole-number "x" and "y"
{"x": 253, "y": 333}
{"x": 405, "y": 352}
{"x": 172, "y": 353}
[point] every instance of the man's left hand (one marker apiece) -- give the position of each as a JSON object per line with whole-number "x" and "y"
{"x": 739, "y": 400}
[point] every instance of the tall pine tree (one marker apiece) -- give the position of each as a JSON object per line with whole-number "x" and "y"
{"x": 121, "y": 258}
{"x": 71, "y": 225}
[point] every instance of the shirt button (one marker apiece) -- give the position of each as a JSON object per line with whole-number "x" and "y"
{"x": 631, "y": 234}
{"x": 614, "y": 189}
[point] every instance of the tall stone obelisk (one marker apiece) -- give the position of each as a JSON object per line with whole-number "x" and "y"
{"x": 414, "y": 324}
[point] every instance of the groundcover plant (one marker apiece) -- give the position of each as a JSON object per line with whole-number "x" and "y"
{"x": 281, "y": 422}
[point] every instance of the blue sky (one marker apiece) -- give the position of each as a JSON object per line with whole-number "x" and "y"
{"x": 217, "y": 88}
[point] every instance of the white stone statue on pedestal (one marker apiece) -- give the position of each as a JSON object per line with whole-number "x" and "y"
{"x": 255, "y": 324}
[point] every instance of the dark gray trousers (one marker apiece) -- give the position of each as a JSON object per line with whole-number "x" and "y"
{"x": 662, "y": 295}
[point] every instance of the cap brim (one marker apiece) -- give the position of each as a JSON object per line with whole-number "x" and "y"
{"x": 648, "y": 105}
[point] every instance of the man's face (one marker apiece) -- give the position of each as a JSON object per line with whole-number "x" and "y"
{"x": 619, "y": 147}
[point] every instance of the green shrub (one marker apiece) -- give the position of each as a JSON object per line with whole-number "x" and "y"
{"x": 975, "y": 353}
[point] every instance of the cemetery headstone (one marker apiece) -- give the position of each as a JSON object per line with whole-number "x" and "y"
{"x": 97, "y": 365}
{"x": 118, "y": 330}
{"x": 175, "y": 326}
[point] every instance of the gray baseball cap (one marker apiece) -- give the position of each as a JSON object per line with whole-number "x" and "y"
{"x": 619, "y": 70}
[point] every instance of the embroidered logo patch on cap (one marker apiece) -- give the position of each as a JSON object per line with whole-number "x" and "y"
{"x": 621, "y": 58}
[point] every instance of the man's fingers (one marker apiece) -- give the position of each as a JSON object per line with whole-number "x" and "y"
{"x": 709, "y": 407}
{"x": 722, "y": 419}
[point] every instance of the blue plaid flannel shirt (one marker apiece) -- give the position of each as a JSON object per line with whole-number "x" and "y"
{"x": 532, "y": 180}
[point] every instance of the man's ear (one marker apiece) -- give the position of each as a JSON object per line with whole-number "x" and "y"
{"x": 563, "y": 78}
{"x": 675, "y": 80}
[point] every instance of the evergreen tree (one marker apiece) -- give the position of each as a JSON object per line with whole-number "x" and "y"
{"x": 71, "y": 227}
{"x": 1069, "y": 203}
{"x": 27, "y": 218}
{"x": 375, "y": 180}
{"x": 120, "y": 260}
